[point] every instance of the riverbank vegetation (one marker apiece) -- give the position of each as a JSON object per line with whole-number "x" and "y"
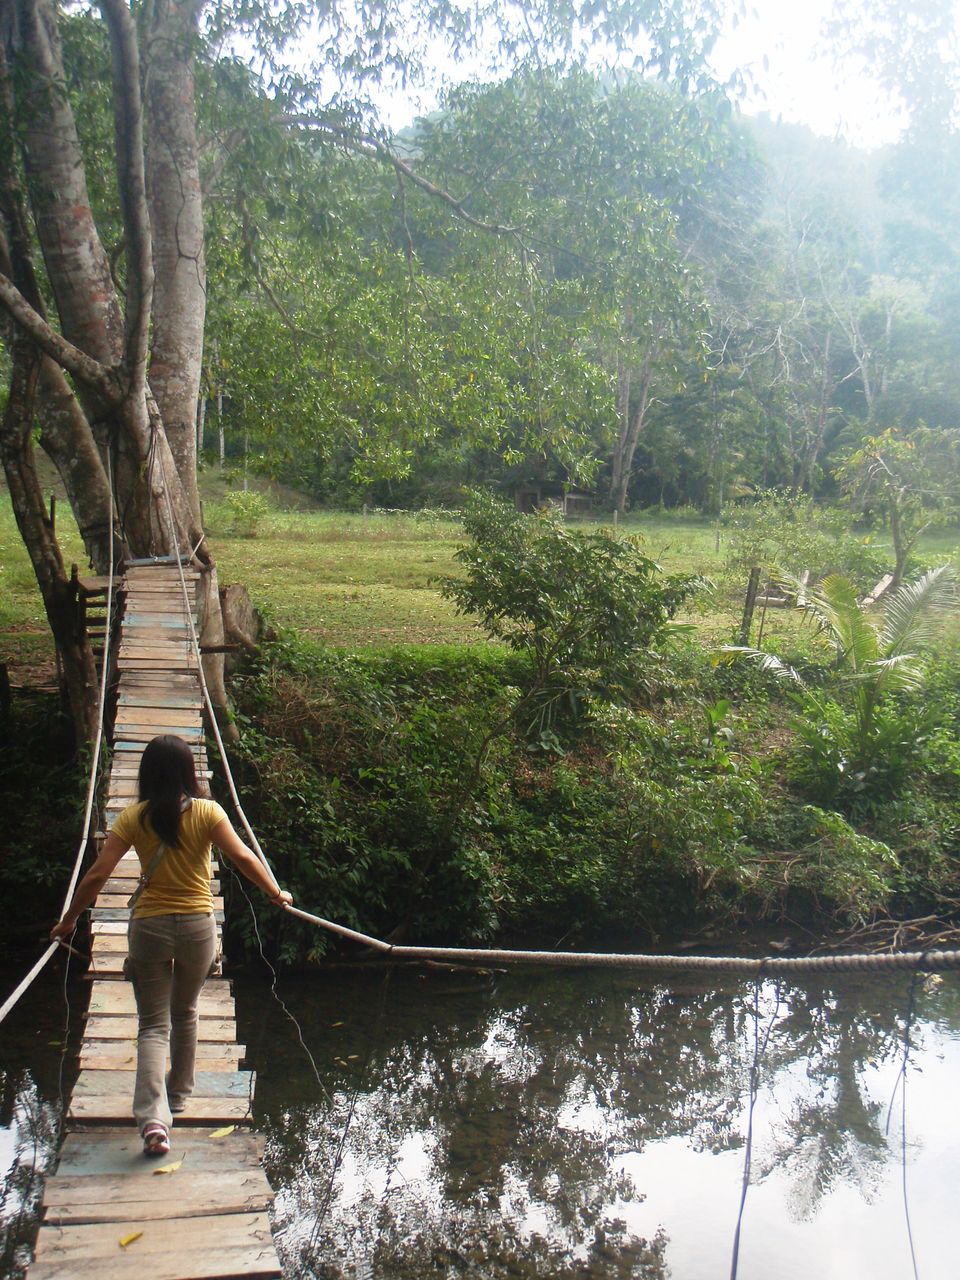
{"x": 629, "y": 778}
{"x": 578, "y": 759}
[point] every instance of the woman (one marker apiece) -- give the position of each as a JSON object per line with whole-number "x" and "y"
{"x": 172, "y": 936}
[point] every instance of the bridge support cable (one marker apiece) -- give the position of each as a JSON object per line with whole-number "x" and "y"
{"x": 93, "y": 779}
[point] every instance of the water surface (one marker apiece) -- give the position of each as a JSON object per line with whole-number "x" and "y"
{"x": 589, "y": 1125}
{"x": 594, "y": 1125}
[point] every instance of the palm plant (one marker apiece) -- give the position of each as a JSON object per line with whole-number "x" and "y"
{"x": 879, "y": 653}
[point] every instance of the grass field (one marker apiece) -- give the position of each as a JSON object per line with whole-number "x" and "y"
{"x": 360, "y": 581}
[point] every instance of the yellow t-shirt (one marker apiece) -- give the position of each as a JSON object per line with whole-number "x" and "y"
{"x": 181, "y": 883}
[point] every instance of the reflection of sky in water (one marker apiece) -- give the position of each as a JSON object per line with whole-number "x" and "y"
{"x": 30, "y": 1089}
{"x": 825, "y": 1198}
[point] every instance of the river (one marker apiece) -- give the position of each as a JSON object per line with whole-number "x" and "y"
{"x": 573, "y": 1124}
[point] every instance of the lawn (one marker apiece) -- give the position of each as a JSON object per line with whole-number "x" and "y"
{"x": 360, "y": 581}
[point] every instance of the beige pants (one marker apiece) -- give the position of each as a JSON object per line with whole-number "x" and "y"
{"x": 171, "y": 957}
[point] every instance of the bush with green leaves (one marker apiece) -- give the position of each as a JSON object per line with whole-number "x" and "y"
{"x": 866, "y": 735}
{"x": 781, "y": 527}
{"x": 649, "y": 821}
{"x": 589, "y": 610}
{"x": 246, "y": 510}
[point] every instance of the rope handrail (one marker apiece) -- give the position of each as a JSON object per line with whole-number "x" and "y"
{"x": 925, "y": 961}
{"x": 15, "y": 995}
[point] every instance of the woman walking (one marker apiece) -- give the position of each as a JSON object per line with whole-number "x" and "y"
{"x": 172, "y": 935}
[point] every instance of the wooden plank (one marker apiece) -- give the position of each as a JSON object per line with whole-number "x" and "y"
{"x": 174, "y": 653}
{"x": 123, "y": 1057}
{"x": 172, "y": 680}
{"x": 117, "y": 998}
{"x": 126, "y": 729}
{"x": 175, "y": 658}
{"x": 97, "y": 585}
{"x": 165, "y": 619}
{"x": 208, "y": 1086}
{"x": 205, "y": 1248}
{"x": 114, "y": 1108}
{"x": 143, "y": 713}
{"x": 186, "y": 1195}
{"x": 158, "y": 700}
{"x": 120, "y": 1151}
{"x": 106, "y": 1028}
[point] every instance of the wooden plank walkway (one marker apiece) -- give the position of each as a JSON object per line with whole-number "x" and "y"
{"x": 108, "y": 1212}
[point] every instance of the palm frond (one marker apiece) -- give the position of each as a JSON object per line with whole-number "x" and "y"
{"x": 900, "y": 671}
{"x": 835, "y": 605}
{"x": 765, "y": 661}
{"x": 912, "y": 614}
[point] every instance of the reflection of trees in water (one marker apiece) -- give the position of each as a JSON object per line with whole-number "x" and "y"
{"x": 833, "y": 1132}
{"x": 33, "y": 1123}
{"x": 518, "y": 1097}
{"x": 30, "y": 1109}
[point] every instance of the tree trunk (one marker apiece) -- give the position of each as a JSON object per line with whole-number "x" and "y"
{"x": 16, "y": 447}
{"x": 77, "y": 266}
{"x": 631, "y": 427}
{"x": 149, "y": 428}
{"x": 68, "y": 442}
{"x": 220, "y": 432}
{"x": 176, "y": 215}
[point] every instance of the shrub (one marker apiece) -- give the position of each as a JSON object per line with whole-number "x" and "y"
{"x": 588, "y": 610}
{"x": 246, "y": 510}
{"x": 782, "y": 527}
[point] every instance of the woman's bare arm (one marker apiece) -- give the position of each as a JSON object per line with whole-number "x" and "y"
{"x": 247, "y": 862}
{"x": 90, "y": 886}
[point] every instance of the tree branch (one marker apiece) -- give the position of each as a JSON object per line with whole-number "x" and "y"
{"x": 378, "y": 150}
{"x": 90, "y": 372}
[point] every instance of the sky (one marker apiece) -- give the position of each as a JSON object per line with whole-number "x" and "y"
{"x": 781, "y": 42}
{"x": 800, "y": 82}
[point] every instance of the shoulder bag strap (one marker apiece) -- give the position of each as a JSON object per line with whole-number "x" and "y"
{"x": 145, "y": 876}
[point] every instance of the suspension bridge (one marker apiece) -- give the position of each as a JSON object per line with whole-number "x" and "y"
{"x": 107, "y": 1212}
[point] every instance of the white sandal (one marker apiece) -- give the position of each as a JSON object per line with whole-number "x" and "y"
{"x": 156, "y": 1140}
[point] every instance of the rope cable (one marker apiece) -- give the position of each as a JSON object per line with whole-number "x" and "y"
{"x": 759, "y": 1051}
{"x": 15, "y": 995}
{"x": 901, "y": 1084}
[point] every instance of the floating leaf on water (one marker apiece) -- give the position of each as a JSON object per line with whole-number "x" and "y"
{"x": 170, "y": 1168}
{"x": 223, "y": 1133}
{"x": 125, "y": 1240}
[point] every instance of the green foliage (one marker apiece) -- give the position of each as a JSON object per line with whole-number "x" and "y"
{"x": 588, "y": 609}
{"x": 245, "y": 510}
{"x": 909, "y": 477}
{"x": 647, "y": 822}
{"x": 41, "y": 795}
{"x": 870, "y": 739}
{"x": 781, "y": 527}
{"x": 830, "y": 864}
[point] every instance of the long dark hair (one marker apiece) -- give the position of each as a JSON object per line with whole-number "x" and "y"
{"x": 167, "y": 774}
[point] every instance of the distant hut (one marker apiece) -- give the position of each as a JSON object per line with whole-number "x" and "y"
{"x": 535, "y": 495}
